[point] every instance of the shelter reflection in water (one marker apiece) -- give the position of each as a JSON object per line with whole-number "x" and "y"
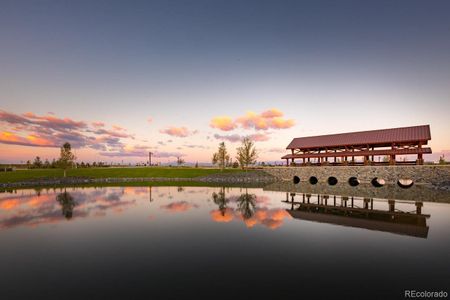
{"x": 360, "y": 213}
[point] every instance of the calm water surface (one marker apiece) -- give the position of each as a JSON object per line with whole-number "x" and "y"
{"x": 203, "y": 242}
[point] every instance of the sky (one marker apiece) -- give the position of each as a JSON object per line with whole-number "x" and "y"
{"x": 117, "y": 79}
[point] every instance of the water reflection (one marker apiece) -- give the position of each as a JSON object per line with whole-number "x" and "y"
{"x": 177, "y": 235}
{"x": 360, "y": 213}
{"x": 221, "y": 201}
{"x": 33, "y": 208}
{"x": 67, "y": 204}
{"x": 250, "y": 207}
{"x": 246, "y": 205}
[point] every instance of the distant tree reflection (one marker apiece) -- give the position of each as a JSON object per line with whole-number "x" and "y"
{"x": 67, "y": 204}
{"x": 220, "y": 199}
{"x": 246, "y": 205}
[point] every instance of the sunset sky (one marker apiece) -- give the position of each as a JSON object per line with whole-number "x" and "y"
{"x": 120, "y": 78}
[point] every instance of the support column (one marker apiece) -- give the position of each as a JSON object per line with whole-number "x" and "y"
{"x": 366, "y": 203}
{"x": 392, "y": 159}
{"x": 419, "y": 207}
{"x": 419, "y": 160}
{"x": 391, "y": 205}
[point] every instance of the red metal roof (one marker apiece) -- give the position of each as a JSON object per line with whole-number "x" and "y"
{"x": 372, "y": 137}
{"x": 361, "y": 153}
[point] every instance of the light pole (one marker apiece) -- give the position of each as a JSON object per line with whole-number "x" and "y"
{"x": 150, "y": 159}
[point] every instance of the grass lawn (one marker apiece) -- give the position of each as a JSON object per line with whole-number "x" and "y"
{"x": 23, "y": 175}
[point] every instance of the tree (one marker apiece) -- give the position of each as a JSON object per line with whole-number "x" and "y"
{"x": 180, "y": 161}
{"x": 247, "y": 154}
{"x": 442, "y": 160}
{"x": 66, "y": 158}
{"x": 221, "y": 157}
{"x": 28, "y": 164}
{"x": 46, "y": 164}
{"x": 196, "y": 164}
{"x": 37, "y": 163}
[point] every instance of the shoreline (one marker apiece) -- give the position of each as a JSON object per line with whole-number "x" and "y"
{"x": 237, "y": 178}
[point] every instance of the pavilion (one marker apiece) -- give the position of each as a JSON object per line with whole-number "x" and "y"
{"x": 365, "y": 146}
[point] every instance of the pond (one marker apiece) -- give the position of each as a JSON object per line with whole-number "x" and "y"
{"x": 218, "y": 242}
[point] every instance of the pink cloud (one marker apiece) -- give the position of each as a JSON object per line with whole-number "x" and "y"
{"x": 98, "y": 124}
{"x": 30, "y": 129}
{"x": 30, "y": 140}
{"x": 118, "y": 128}
{"x": 224, "y": 123}
{"x": 270, "y": 218}
{"x": 225, "y": 216}
{"x": 259, "y": 137}
{"x": 272, "y": 113}
{"x": 150, "y": 120}
{"x": 269, "y": 119}
{"x": 233, "y": 138}
{"x": 177, "y": 131}
{"x": 181, "y": 206}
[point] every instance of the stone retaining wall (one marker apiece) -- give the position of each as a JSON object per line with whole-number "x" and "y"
{"x": 424, "y": 174}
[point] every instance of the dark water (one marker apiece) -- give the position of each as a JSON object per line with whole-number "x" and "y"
{"x": 218, "y": 243}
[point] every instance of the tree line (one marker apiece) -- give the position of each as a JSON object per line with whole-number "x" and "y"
{"x": 66, "y": 160}
{"x": 246, "y": 155}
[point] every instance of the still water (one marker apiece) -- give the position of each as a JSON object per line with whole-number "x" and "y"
{"x": 218, "y": 242}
